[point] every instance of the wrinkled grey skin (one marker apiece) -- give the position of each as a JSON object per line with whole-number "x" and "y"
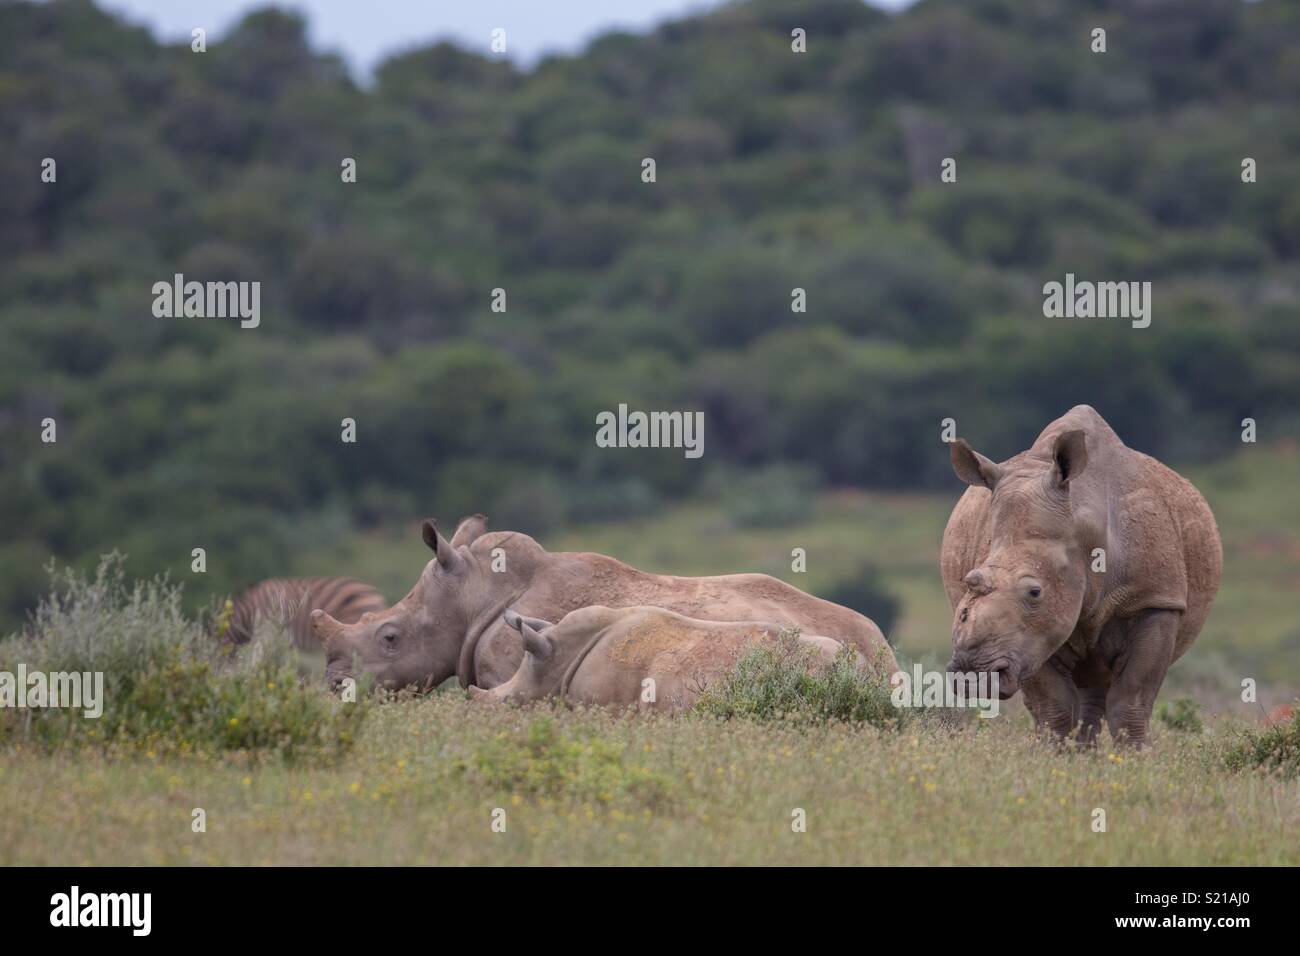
{"x": 642, "y": 657}
{"x": 1017, "y": 564}
{"x": 452, "y": 623}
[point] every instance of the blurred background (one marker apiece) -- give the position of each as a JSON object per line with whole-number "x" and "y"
{"x": 775, "y": 171}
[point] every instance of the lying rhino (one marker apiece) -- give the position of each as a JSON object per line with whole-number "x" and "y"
{"x": 1022, "y": 564}
{"x": 452, "y": 622}
{"x": 635, "y": 656}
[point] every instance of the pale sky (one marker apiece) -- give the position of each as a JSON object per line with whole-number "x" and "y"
{"x": 365, "y": 31}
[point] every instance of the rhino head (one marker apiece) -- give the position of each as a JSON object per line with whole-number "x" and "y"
{"x": 1023, "y": 602}
{"x": 418, "y": 640}
{"x": 541, "y": 671}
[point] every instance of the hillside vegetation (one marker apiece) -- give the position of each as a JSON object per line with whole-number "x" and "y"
{"x": 775, "y": 171}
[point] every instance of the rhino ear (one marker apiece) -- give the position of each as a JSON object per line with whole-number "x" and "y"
{"x": 439, "y": 545}
{"x": 469, "y": 530}
{"x": 535, "y": 643}
{"x": 972, "y": 467}
{"x": 1069, "y": 456}
{"x": 517, "y": 621}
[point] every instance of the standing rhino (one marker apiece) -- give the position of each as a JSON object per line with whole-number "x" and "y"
{"x": 452, "y": 623}
{"x": 635, "y": 656}
{"x": 1022, "y": 564}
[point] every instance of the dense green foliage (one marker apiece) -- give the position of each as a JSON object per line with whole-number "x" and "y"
{"x": 167, "y": 686}
{"x": 775, "y": 170}
{"x": 782, "y": 682}
{"x": 1181, "y": 713}
{"x": 1274, "y": 748}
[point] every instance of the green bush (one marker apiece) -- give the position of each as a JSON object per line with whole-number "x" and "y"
{"x": 546, "y": 762}
{"x": 1275, "y": 748}
{"x": 782, "y": 682}
{"x": 1181, "y": 714}
{"x": 167, "y": 685}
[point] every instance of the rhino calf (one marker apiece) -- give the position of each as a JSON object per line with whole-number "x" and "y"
{"x": 645, "y": 657}
{"x": 1078, "y": 571}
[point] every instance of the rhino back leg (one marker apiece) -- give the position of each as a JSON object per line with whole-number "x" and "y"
{"x": 1150, "y": 639}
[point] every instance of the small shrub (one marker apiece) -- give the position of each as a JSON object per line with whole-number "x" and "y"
{"x": 546, "y": 762}
{"x": 1181, "y": 714}
{"x": 167, "y": 685}
{"x": 782, "y": 681}
{"x": 1275, "y": 748}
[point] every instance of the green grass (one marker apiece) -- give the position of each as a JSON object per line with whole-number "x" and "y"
{"x": 426, "y": 775}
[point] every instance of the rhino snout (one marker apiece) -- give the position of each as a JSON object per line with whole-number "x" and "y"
{"x": 336, "y": 672}
{"x": 1002, "y": 669}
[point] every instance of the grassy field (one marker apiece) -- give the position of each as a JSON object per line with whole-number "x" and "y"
{"x": 578, "y": 787}
{"x": 424, "y": 779}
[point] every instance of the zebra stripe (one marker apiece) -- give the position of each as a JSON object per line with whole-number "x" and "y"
{"x": 287, "y": 603}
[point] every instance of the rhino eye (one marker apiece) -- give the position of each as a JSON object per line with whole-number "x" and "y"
{"x": 1035, "y": 592}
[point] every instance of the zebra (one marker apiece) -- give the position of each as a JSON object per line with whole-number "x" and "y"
{"x": 288, "y": 603}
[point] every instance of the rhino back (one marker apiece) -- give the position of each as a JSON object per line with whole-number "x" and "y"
{"x": 743, "y": 597}
{"x": 681, "y": 655}
{"x": 566, "y": 581}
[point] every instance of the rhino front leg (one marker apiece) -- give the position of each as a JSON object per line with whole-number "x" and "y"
{"x": 1093, "y": 678}
{"x": 1053, "y": 700}
{"x": 1092, "y": 710}
{"x": 1139, "y": 671}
